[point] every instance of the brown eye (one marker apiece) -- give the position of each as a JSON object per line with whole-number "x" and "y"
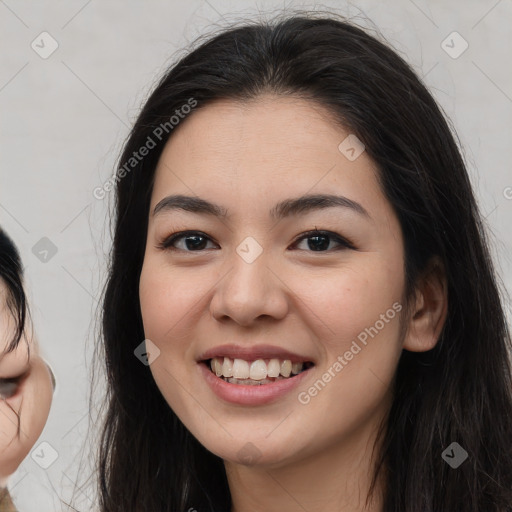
{"x": 192, "y": 239}
{"x": 8, "y": 387}
{"x": 320, "y": 237}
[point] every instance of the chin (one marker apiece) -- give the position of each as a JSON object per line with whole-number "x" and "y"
{"x": 248, "y": 450}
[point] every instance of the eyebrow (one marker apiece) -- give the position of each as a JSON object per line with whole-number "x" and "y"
{"x": 288, "y": 207}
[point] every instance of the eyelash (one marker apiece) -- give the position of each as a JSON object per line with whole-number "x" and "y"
{"x": 6, "y": 386}
{"x": 166, "y": 244}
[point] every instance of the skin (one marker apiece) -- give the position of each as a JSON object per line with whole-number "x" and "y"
{"x": 312, "y": 457}
{"x": 32, "y": 400}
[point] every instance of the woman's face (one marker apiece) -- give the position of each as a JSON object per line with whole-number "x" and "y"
{"x": 25, "y": 392}
{"x": 252, "y": 279}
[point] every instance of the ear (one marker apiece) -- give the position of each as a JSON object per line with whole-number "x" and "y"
{"x": 430, "y": 310}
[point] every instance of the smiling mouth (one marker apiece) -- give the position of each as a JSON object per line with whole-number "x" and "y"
{"x": 257, "y": 372}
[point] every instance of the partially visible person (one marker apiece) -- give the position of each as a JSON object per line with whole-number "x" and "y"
{"x": 26, "y": 381}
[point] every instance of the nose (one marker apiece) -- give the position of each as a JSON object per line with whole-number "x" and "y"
{"x": 250, "y": 291}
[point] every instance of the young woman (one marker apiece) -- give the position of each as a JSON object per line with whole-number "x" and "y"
{"x": 301, "y": 311}
{"x": 26, "y": 381}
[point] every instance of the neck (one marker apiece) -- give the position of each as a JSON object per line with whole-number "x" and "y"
{"x": 336, "y": 478}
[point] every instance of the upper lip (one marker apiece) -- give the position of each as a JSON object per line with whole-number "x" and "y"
{"x": 253, "y": 353}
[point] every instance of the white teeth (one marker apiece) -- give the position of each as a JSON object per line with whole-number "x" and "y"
{"x": 286, "y": 368}
{"x": 216, "y": 366}
{"x": 227, "y": 367}
{"x": 249, "y": 382}
{"x": 258, "y": 370}
{"x": 274, "y": 367}
{"x": 240, "y": 369}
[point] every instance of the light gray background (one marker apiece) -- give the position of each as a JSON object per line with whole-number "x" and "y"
{"x": 64, "y": 118}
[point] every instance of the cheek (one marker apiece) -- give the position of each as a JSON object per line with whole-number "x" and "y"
{"x": 347, "y": 301}
{"x": 9, "y": 442}
{"x": 172, "y": 302}
{"x": 33, "y": 406}
{"x": 359, "y": 311}
{"x": 38, "y": 397}
{"x": 165, "y": 300}
{"x": 156, "y": 308}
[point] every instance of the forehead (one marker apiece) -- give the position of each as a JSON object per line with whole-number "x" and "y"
{"x": 255, "y": 153}
{"x": 293, "y": 130}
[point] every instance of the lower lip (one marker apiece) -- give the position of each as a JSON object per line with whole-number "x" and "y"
{"x": 245, "y": 394}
